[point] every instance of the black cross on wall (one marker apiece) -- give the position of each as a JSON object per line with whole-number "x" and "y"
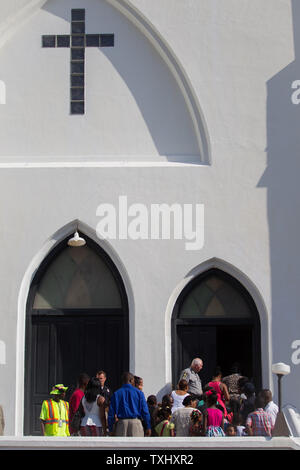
{"x": 77, "y": 41}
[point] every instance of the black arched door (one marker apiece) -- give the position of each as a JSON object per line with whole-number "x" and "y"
{"x": 216, "y": 319}
{"x": 77, "y": 321}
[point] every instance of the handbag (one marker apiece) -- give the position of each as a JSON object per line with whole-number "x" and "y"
{"x": 76, "y": 421}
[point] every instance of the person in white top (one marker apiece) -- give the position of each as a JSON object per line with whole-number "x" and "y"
{"x": 270, "y": 407}
{"x": 179, "y": 394}
{"x": 93, "y": 422}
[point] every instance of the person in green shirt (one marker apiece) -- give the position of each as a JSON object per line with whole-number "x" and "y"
{"x": 54, "y": 414}
{"x": 164, "y": 428}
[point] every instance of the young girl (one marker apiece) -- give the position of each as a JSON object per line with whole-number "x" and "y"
{"x": 214, "y": 418}
{"x": 164, "y": 428}
{"x": 196, "y": 427}
{"x": 231, "y": 430}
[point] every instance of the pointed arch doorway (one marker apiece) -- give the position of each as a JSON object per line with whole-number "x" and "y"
{"x": 216, "y": 319}
{"x": 76, "y": 321}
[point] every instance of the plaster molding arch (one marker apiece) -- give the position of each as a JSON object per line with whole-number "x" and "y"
{"x": 249, "y": 285}
{"x": 10, "y": 25}
{"x": 54, "y": 240}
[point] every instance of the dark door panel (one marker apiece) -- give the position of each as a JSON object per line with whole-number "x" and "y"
{"x": 196, "y": 341}
{"x": 63, "y": 346}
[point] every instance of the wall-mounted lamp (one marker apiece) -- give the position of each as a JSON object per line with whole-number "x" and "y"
{"x": 76, "y": 240}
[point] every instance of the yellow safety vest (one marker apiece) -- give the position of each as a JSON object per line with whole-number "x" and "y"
{"x": 56, "y": 417}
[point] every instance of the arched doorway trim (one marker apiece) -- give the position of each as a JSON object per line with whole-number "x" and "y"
{"x": 53, "y": 241}
{"x": 248, "y": 284}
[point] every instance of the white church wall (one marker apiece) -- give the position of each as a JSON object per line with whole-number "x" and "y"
{"x": 154, "y": 267}
{"x": 133, "y": 108}
{"x": 229, "y": 55}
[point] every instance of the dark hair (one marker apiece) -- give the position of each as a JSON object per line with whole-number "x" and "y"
{"x": 152, "y": 400}
{"x": 101, "y": 372}
{"x": 92, "y": 390}
{"x": 163, "y": 412}
{"x": 211, "y": 398}
{"x": 166, "y": 400}
{"x": 182, "y": 384}
{"x": 196, "y": 415}
{"x": 241, "y": 383}
{"x": 235, "y": 368}
{"x": 127, "y": 377}
{"x": 83, "y": 379}
{"x": 266, "y": 395}
{"x": 259, "y": 402}
{"x": 217, "y": 372}
{"x": 188, "y": 400}
{"x": 137, "y": 380}
{"x": 249, "y": 389}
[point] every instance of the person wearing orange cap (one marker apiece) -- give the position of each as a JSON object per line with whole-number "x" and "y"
{"x": 54, "y": 414}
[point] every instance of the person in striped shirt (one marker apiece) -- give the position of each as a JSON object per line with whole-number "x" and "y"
{"x": 258, "y": 422}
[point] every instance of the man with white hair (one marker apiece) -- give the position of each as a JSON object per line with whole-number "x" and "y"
{"x": 191, "y": 375}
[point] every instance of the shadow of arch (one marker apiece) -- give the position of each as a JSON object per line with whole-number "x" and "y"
{"x": 50, "y": 244}
{"x": 281, "y": 182}
{"x": 252, "y": 290}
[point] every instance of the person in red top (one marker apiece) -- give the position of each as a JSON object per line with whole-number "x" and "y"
{"x": 76, "y": 398}
{"x": 220, "y": 389}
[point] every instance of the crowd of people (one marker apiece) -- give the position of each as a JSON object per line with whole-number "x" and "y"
{"x": 225, "y": 406}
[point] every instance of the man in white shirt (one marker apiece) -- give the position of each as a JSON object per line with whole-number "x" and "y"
{"x": 270, "y": 407}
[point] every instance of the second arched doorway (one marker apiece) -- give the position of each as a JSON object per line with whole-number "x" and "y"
{"x": 216, "y": 319}
{"x": 76, "y": 321}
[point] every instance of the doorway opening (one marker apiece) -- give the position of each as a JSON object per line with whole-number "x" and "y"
{"x": 216, "y": 319}
{"x": 76, "y": 321}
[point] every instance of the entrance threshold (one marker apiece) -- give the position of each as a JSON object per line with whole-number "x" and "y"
{"x": 178, "y": 444}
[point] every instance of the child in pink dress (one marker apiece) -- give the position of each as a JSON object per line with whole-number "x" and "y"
{"x": 214, "y": 418}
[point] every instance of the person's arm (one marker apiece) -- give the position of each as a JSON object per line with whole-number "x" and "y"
{"x": 222, "y": 424}
{"x": 43, "y": 427}
{"x": 43, "y": 417}
{"x": 111, "y": 414}
{"x": 101, "y": 404}
{"x": 225, "y": 391}
{"x": 248, "y": 427}
{"x": 145, "y": 415}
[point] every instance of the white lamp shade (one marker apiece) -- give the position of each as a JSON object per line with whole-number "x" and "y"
{"x": 281, "y": 368}
{"x": 76, "y": 240}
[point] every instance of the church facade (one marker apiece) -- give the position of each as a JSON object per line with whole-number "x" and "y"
{"x": 153, "y": 130}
